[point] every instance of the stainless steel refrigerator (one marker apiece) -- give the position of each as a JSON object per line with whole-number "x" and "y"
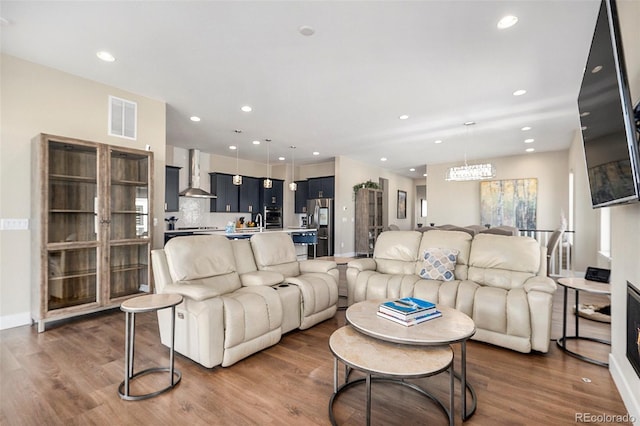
{"x": 320, "y": 217}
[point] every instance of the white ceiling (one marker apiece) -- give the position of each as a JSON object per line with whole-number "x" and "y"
{"x": 339, "y": 91}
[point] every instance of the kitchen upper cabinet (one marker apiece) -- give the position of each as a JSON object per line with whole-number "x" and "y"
{"x": 227, "y": 193}
{"x": 301, "y": 196}
{"x": 321, "y": 187}
{"x": 250, "y": 195}
{"x": 171, "y": 189}
{"x": 272, "y": 197}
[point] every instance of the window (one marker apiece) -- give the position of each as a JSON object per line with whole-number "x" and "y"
{"x": 605, "y": 231}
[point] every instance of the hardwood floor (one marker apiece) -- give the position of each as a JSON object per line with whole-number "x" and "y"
{"x": 69, "y": 376}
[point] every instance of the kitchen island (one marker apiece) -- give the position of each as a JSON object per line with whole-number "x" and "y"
{"x": 302, "y": 237}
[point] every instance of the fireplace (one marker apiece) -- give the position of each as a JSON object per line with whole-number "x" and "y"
{"x": 633, "y": 327}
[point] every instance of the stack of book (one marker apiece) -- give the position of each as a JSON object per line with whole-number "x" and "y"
{"x": 408, "y": 311}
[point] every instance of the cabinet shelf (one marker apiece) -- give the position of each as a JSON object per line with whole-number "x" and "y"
{"x": 72, "y": 178}
{"x": 74, "y": 274}
{"x": 129, "y": 268}
{"x": 129, "y": 182}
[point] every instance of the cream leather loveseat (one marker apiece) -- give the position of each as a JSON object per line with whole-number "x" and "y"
{"x": 240, "y": 296}
{"x": 499, "y": 281}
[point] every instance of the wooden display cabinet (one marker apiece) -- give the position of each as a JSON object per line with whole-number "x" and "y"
{"x": 368, "y": 223}
{"x": 91, "y": 227}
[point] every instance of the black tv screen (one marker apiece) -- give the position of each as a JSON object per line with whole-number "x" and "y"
{"x": 606, "y": 114}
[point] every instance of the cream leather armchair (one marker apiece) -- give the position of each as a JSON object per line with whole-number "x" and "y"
{"x": 317, "y": 280}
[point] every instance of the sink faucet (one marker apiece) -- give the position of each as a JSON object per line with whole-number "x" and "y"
{"x": 259, "y": 220}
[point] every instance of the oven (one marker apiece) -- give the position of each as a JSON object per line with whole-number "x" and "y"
{"x": 273, "y": 217}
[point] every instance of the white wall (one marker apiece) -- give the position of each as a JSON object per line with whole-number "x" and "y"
{"x": 458, "y": 203}
{"x": 625, "y": 229}
{"x": 37, "y": 99}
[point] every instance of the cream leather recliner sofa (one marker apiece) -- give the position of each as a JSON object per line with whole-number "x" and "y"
{"x": 233, "y": 306}
{"x": 499, "y": 281}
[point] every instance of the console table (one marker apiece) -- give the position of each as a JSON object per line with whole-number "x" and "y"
{"x": 578, "y": 285}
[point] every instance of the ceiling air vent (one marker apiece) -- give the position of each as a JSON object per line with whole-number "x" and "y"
{"x": 123, "y": 117}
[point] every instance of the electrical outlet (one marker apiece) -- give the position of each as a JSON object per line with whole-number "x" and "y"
{"x": 14, "y": 224}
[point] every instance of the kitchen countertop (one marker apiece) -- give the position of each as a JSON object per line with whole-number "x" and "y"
{"x": 239, "y": 231}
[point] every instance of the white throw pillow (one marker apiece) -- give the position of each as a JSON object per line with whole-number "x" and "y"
{"x": 439, "y": 264}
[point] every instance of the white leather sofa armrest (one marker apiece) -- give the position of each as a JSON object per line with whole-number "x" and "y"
{"x": 196, "y": 292}
{"x": 538, "y": 283}
{"x": 316, "y": 265}
{"x": 367, "y": 264}
{"x": 255, "y": 278}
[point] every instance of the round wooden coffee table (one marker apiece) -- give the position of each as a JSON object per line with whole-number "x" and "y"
{"x": 453, "y": 327}
{"x": 390, "y": 362}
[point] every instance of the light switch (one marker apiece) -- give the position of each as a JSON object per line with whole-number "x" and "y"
{"x": 14, "y": 224}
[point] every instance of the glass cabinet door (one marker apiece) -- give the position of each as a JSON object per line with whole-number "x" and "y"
{"x": 129, "y": 224}
{"x": 129, "y": 196}
{"x": 72, "y": 214}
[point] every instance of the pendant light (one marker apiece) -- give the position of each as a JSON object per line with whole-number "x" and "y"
{"x": 267, "y": 183}
{"x": 293, "y": 185}
{"x": 237, "y": 179}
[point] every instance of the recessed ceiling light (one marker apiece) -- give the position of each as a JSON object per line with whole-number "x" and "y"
{"x": 530, "y": 149}
{"x": 316, "y": 153}
{"x": 194, "y": 118}
{"x": 519, "y": 92}
{"x": 584, "y": 114}
{"x": 256, "y": 142}
{"x": 105, "y": 56}
{"x": 507, "y": 22}
{"x": 233, "y": 147}
{"x": 596, "y": 69}
{"x": 469, "y": 123}
{"x": 438, "y": 141}
{"x": 306, "y": 30}
{"x": 246, "y": 108}
{"x": 383, "y": 159}
{"x": 281, "y": 158}
{"x": 528, "y": 140}
{"x": 525, "y": 128}
{"x": 412, "y": 169}
{"x": 403, "y": 117}
{"x": 424, "y": 175}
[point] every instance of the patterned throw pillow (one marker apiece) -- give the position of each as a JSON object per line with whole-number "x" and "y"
{"x": 439, "y": 264}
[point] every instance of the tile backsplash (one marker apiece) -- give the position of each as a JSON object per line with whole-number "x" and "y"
{"x": 195, "y": 212}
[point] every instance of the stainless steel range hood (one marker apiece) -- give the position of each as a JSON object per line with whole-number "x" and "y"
{"x": 194, "y": 189}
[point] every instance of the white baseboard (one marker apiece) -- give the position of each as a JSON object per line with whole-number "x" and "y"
{"x": 631, "y": 399}
{"x": 15, "y": 320}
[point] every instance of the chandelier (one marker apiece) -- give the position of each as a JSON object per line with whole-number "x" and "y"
{"x": 268, "y": 183}
{"x": 473, "y": 171}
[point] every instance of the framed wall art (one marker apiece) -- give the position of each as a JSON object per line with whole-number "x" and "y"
{"x": 510, "y": 202}
{"x": 402, "y": 205}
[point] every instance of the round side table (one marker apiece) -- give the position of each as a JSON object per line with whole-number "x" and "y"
{"x": 136, "y": 305}
{"x": 578, "y": 285}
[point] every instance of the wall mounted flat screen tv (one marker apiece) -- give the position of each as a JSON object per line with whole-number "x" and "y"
{"x": 607, "y": 118}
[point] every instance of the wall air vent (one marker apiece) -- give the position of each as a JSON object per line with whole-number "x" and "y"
{"x": 123, "y": 118}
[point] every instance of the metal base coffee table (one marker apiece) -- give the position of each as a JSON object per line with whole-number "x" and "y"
{"x": 453, "y": 327}
{"x": 387, "y": 362}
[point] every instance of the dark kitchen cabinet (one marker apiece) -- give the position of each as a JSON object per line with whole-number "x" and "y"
{"x": 321, "y": 187}
{"x": 227, "y": 193}
{"x": 171, "y": 189}
{"x": 272, "y": 197}
{"x": 302, "y": 194}
{"x": 250, "y": 195}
